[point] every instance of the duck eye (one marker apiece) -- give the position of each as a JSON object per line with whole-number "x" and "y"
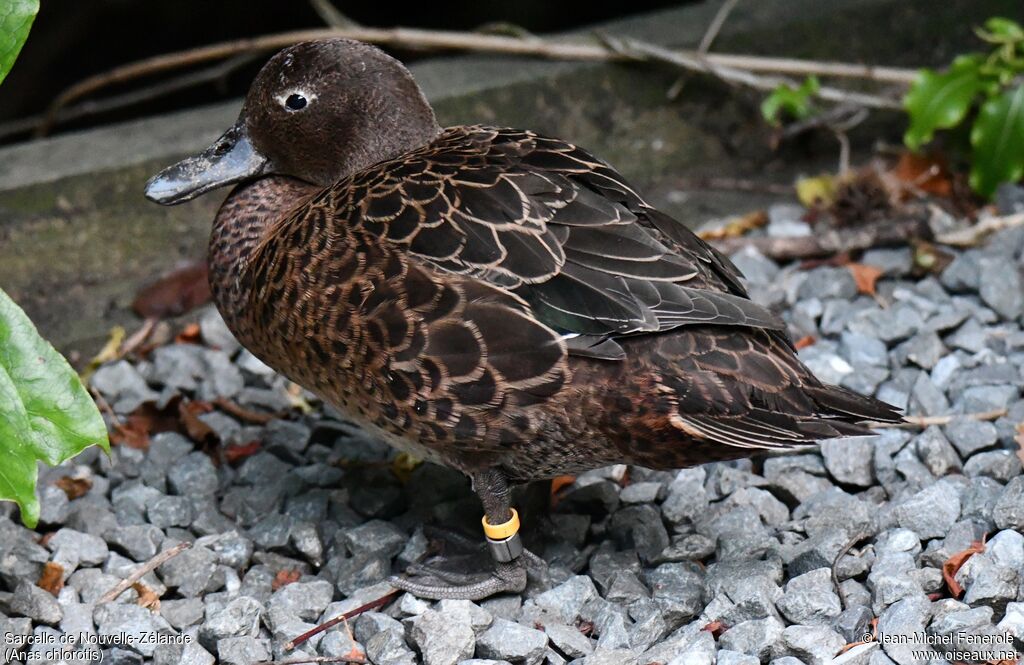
{"x": 295, "y": 102}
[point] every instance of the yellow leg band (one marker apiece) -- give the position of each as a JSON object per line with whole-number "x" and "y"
{"x": 503, "y": 530}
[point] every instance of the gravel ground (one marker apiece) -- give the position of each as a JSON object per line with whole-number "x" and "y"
{"x": 727, "y": 562}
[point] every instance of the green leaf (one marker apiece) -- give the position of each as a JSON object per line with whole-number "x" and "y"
{"x": 998, "y": 141}
{"x": 795, "y": 102}
{"x": 16, "y": 18}
{"x": 941, "y": 100}
{"x": 45, "y": 412}
{"x": 999, "y": 30}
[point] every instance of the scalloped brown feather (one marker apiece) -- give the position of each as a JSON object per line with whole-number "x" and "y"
{"x": 451, "y": 300}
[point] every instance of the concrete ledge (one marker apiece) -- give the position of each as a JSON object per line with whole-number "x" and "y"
{"x": 77, "y": 239}
{"x": 765, "y": 27}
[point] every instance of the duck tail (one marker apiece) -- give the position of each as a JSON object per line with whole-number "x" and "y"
{"x": 842, "y": 404}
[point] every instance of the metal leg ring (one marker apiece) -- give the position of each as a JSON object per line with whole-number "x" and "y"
{"x": 506, "y": 549}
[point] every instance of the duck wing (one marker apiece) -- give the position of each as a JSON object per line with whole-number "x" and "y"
{"x": 562, "y": 230}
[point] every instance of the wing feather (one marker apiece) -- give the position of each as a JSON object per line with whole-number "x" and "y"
{"x": 558, "y": 227}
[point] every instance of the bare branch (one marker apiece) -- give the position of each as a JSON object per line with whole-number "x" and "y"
{"x": 215, "y": 74}
{"x": 313, "y": 660}
{"x": 373, "y": 604}
{"x": 707, "y": 64}
{"x": 844, "y": 151}
{"x": 859, "y": 536}
{"x": 734, "y": 184}
{"x": 716, "y": 25}
{"x": 140, "y": 572}
{"x": 920, "y": 422}
{"x": 447, "y": 40}
{"x": 828, "y": 243}
{"x": 972, "y": 235}
{"x": 331, "y": 15}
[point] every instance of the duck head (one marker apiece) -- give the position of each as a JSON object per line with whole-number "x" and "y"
{"x": 318, "y": 111}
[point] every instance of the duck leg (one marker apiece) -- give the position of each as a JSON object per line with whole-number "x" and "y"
{"x": 501, "y": 526}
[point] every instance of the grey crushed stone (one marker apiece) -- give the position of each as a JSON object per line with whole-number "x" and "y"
{"x": 441, "y": 641}
{"x": 640, "y": 562}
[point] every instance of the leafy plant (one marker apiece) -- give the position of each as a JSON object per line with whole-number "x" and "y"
{"x": 793, "y": 102}
{"x": 45, "y": 412}
{"x": 16, "y": 17}
{"x": 990, "y": 83}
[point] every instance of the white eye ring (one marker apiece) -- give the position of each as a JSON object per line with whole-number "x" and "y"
{"x": 296, "y": 100}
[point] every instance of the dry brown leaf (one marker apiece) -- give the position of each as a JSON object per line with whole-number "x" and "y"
{"x": 955, "y": 562}
{"x": 239, "y": 451}
{"x": 145, "y": 421}
{"x": 74, "y": 487}
{"x": 837, "y": 260}
{"x": 189, "y": 334}
{"x": 176, "y": 292}
{"x": 559, "y": 483}
{"x": 585, "y": 627}
{"x": 134, "y": 433}
{"x": 196, "y": 429}
{"x": 850, "y": 645}
{"x": 52, "y": 578}
{"x": 925, "y": 173}
{"x": 284, "y": 578}
{"x": 737, "y": 227}
{"x": 865, "y": 276}
{"x": 805, "y": 341}
{"x": 147, "y": 597}
{"x": 242, "y": 413}
{"x": 716, "y": 628}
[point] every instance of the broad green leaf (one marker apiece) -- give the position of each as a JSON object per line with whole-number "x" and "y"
{"x": 45, "y": 412}
{"x": 998, "y": 141}
{"x": 16, "y": 18}
{"x": 796, "y": 102}
{"x": 941, "y": 100}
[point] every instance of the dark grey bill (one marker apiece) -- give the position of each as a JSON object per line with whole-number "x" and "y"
{"x": 232, "y": 158}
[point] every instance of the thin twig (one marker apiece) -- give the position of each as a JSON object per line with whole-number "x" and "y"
{"x": 104, "y": 406}
{"x": 139, "y": 337}
{"x": 313, "y": 659}
{"x": 916, "y": 422}
{"x": 710, "y": 34}
{"x": 974, "y": 234}
{"x": 448, "y": 40}
{"x": 214, "y": 74}
{"x": 327, "y": 625}
{"x": 859, "y": 536}
{"x": 716, "y": 25}
{"x": 844, "y": 151}
{"x": 242, "y": 413}
{"x": 140, "y": 572}
{"x": 841, "y": 116}
{"x": 734, "y": 185}
{"x": 706, "y": 63}
{"x": 331, "y": 16}
{"x": 828, "y": 243}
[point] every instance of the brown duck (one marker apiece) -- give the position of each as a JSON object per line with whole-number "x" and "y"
{"x": 490, "y": 299}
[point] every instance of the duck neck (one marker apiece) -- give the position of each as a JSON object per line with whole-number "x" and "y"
{"x": 241, "y": 223}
